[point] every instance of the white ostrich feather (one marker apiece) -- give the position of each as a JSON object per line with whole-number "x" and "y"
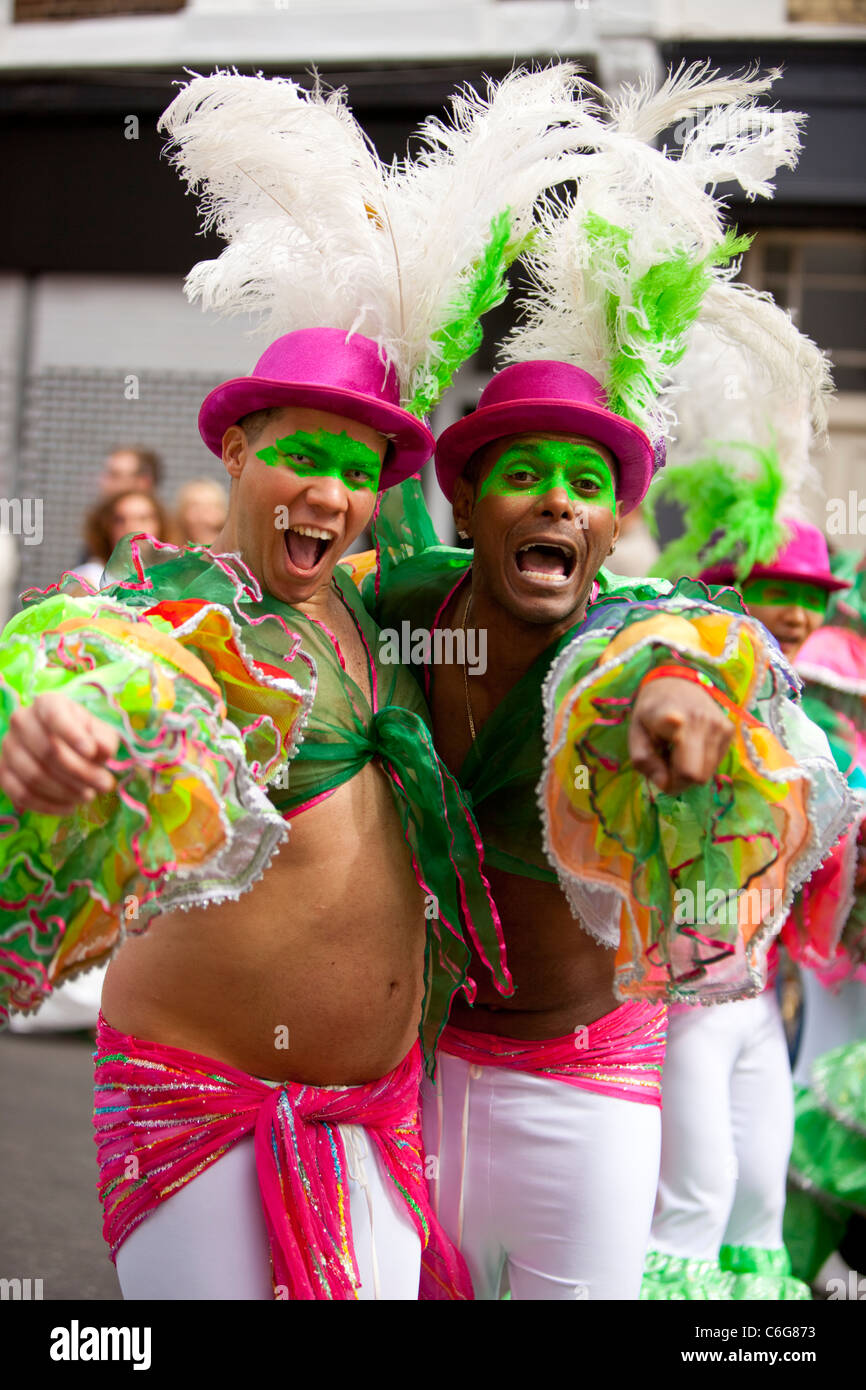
{"x": 644, "y": 111}
{"x": 792, "y": 365}
{"x": 321, "y": 233}
{"x": 735, "y": 387}
{"x": 288, "y": 179}
{"x": 591, "y": 303}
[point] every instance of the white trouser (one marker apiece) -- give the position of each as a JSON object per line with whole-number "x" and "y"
{"x": 727, "y": 1128}
{"x": 829, "y": 1020}
{"x": 541, "y": 1182}
{"x": 209, "y": 1240}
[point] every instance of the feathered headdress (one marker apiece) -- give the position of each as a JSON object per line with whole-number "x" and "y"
{"x": 623, "y": 268}
{"x": 740, "y": 464}
{"x": 731, "y": 512}
{"x": 321, "y": 233}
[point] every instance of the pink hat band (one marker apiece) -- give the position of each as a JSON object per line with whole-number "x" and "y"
{"x": 804, "y": 557}
{"x": 324, "y": 369}
{"x": 549, "y": 397}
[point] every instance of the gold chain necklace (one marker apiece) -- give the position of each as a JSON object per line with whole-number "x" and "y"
{"x": 465, "y": 664}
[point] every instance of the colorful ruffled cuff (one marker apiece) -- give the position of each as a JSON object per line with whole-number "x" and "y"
{"x": 359, "y": 567}
{"x": 202, "y": 726}
{"x": 689, "y": 889}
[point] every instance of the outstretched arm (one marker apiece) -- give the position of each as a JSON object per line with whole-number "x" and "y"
{"x": 135, "y": 740}
{"x": 682, "y": 808}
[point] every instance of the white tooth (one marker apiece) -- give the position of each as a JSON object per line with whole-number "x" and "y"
{"x": 545, "y": 578}
{"x": 312, "y": 531}
{"x": 550, "y": 545}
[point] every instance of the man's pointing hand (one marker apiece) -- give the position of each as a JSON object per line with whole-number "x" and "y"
{"x": 678, "y": 734}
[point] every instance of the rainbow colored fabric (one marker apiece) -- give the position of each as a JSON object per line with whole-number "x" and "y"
{"x": 203, "y": 720}
{"x": 689, "y": 890}
{"x": 643, "y": 869}
{"x": 163, "y": 1114}
{"x": 620, "y": 1055}
{"x": 235, "y": 712}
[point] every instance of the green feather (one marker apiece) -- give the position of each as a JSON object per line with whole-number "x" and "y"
{"x": 461, "y": 336}
{"x": 728, "y": 517}
{"x": 667, "y": 299}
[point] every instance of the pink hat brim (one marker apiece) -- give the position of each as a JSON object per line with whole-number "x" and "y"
{"x": 724, "y": 574}
{"x": 629, "y": 445}
{"x": 411, "y": 441}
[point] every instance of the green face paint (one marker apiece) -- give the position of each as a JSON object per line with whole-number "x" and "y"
{"x": 536, "y": 468}
{"x": 326, "y": 455}
{"x": 785, "y": 593}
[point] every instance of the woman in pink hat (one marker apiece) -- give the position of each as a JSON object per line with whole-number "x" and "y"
{"x": 728, "y": 1112}
{"x": 617, "y": 746}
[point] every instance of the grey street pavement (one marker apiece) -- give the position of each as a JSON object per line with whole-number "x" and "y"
{"x": 50, "y": 1216}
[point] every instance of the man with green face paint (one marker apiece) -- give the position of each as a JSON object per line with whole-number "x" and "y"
{"x": 325, "y": 454}
{"x": 532, "y": 467}
{"x": 789, "y": 595}
{"x": 282, "y": 1030}
{"x": 604, "y": 705}
{"x": 253, "y": 662}
{"x": 630, "y": 744}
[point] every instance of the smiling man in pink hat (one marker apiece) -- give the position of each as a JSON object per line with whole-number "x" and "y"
{"x": 619, "y": 748}
{"x": 610, "y": 735}
{"x": 278, "y": 1030}
{"x": 544, "y": 1117}
{"x": 258, "y": 1059}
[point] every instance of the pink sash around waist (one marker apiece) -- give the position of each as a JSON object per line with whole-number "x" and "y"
{"x": 619, "y": 1055}
{"x": 162, "y": 1114}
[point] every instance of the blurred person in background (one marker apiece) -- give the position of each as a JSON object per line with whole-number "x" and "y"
{"x": 10, "y": 564}
{"x": 117, "y": 516}
{"x": 738, "y": 475}
{"x": 75, "y": 1005}
{"x": 200, "y": 512}
{"x": 130, "y": 466}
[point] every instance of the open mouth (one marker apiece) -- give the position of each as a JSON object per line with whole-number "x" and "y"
{"x": 546, "y": 562}
{"x": 306, "y": 547}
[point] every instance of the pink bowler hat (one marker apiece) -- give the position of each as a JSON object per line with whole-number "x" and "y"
{"x": 804, "y": 557}
{"x": 552, "y": 398}
{"x": 324, "y": 369}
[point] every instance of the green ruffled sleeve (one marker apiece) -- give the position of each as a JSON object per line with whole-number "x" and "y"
{"x": 205, "y": 716}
